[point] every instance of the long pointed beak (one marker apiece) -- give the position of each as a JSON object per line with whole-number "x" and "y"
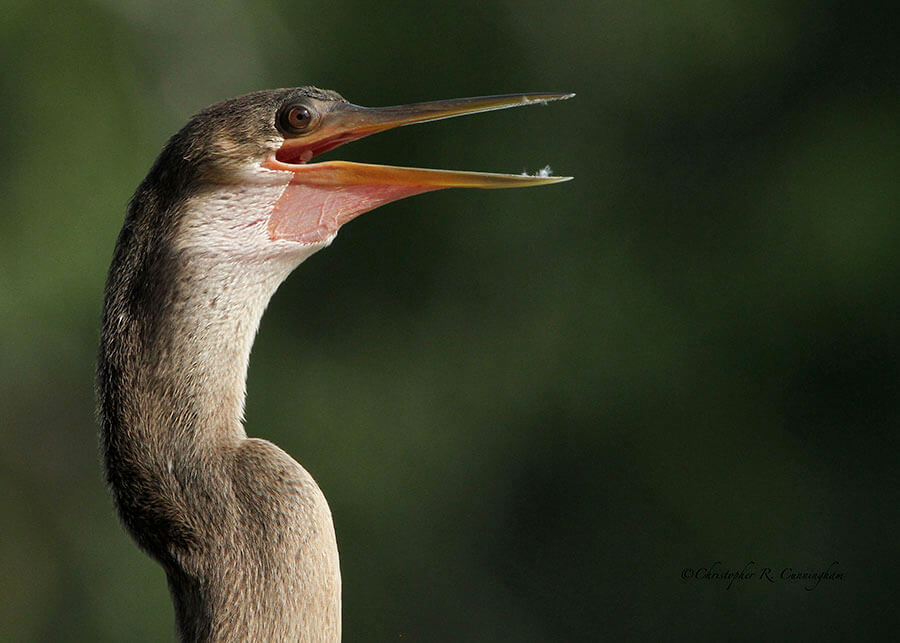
{"x": 346, "y": 122}
{"x": 321, "y": 197}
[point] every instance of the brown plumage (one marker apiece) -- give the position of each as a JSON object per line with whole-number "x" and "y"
{"x": 242, "y": 531}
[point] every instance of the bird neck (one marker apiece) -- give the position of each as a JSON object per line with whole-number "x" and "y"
{"x": 197, "y": 358}
{"x": 182, "y": 310}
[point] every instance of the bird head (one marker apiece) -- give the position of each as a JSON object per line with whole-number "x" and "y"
{"x": 249, "y": 160}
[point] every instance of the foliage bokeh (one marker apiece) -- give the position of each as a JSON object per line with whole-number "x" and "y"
{"x": 530, "y": 409}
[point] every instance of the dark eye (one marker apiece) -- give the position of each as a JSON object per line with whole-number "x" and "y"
{"x": 295, "y": 119}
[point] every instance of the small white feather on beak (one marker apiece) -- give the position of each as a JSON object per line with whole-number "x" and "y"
{"x": 544, "y": 173}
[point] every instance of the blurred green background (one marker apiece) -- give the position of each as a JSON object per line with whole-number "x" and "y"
{"x": 530, "y": 410}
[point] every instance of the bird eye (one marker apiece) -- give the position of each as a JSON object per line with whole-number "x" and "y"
{"x": 295, "y": 119}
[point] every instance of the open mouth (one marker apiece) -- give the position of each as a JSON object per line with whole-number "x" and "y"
{"x": 321, "y": 197}
{"x": 300, "y": 154}
{"x": 345, "y": 122}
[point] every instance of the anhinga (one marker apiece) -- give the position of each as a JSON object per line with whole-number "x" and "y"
{"x": 229, "y": 208}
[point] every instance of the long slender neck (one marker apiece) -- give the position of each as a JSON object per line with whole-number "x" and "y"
{"x": 195, "y": 357}
{"x": 181, "y": 327}
{"x": 180, "y": 317}
{"x": 177, "y": 332}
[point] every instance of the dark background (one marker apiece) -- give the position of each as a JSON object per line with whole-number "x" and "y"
{"x": 532, "y": 409}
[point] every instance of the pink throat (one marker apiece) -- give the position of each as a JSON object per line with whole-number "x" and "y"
{"x": 312, "y": 213}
